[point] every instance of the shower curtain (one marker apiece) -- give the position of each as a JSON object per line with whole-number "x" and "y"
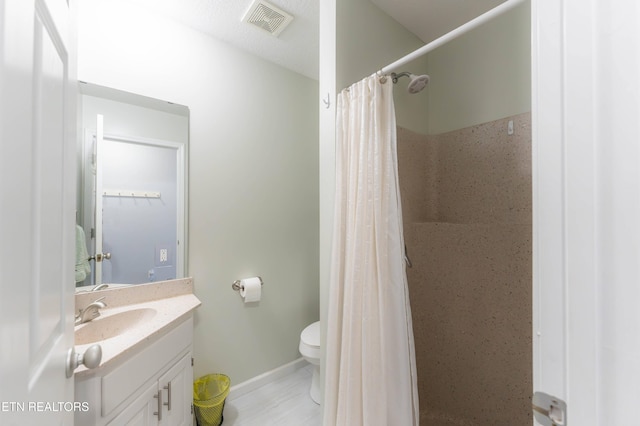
{"x": 370, "y": 376}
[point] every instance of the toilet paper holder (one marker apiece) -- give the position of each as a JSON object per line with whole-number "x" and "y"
{"x": 237, "y": 284}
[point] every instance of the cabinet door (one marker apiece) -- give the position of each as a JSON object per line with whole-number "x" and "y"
{"x": 177, "y": 391}
{"x": 141, "y": 411}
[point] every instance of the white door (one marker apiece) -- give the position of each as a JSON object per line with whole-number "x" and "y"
{"x": 586, "y": 132}
{"x": 37, "y": 224}
{"x": 138, "y": 209}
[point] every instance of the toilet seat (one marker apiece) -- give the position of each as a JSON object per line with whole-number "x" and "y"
{"x": 310, "y": 336}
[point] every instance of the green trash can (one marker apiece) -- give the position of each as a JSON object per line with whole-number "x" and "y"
{"x": 209, "y": 394}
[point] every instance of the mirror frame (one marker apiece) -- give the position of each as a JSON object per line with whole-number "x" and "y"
{"x": 116, "y": 95}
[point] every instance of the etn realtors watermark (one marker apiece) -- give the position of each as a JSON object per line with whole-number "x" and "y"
{"x": 43, "y": 406}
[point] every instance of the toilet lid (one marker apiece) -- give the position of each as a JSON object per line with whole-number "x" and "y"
{"x": 311, "y": 335}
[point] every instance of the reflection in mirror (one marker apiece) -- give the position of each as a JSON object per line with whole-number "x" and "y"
{"x": 131, "y": 207}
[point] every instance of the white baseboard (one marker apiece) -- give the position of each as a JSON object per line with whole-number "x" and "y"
{"x": 264, "y": 378}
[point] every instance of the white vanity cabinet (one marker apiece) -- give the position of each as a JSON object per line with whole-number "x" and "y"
{"x": 169, "y": 396}
{"x": 152, "y": 385}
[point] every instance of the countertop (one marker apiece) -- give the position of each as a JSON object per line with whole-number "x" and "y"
{"x": 173, "y": 302}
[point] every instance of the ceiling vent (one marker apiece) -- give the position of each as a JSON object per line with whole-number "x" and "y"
{"x": 267, "y": 17}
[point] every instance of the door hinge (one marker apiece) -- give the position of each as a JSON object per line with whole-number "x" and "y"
{"x": 191, "y": 408}
{"x": 192, "y": 361}
{"x": 549, "y": 410}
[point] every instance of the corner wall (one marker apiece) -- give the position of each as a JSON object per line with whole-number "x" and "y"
{"x": 253, "y": 177}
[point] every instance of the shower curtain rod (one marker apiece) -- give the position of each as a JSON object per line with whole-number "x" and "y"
{"x": 476, "y": 22}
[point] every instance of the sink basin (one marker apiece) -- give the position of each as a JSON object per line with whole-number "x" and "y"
{"x": 106, "y": 327}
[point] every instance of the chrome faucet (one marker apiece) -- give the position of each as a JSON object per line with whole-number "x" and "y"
{"x": 92, "y": 311}
{"x": 100, "y": 287}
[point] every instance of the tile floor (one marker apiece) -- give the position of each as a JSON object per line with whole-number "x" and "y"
{"x": 284, "y": 402}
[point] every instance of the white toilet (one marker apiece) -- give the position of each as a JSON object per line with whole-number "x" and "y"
{"x": 310, "y": 350}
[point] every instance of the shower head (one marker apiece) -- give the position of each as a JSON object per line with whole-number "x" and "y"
{"x": 417, "y": 83}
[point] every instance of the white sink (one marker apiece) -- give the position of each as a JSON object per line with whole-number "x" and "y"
{"x": 108, "y": 326}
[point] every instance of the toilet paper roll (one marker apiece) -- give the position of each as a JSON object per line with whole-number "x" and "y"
{"x": 251, "y": 289}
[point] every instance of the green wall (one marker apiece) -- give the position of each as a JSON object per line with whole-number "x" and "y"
{"x": 483, "y": 75}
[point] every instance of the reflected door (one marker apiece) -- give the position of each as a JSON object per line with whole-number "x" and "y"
{"x": 137, "y": 215}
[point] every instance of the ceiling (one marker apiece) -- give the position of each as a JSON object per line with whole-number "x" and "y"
{"x": 296, "y": 48}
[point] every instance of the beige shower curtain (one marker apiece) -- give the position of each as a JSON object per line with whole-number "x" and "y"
{"x": 370, "y": 358}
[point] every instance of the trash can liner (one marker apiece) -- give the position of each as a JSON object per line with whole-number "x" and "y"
{"x": 209, "y": 394}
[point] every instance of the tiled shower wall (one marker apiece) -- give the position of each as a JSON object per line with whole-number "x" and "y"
{"x": 466, "y": 199}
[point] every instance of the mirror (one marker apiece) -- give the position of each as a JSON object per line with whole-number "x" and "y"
{"x": 132, "y": 188}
